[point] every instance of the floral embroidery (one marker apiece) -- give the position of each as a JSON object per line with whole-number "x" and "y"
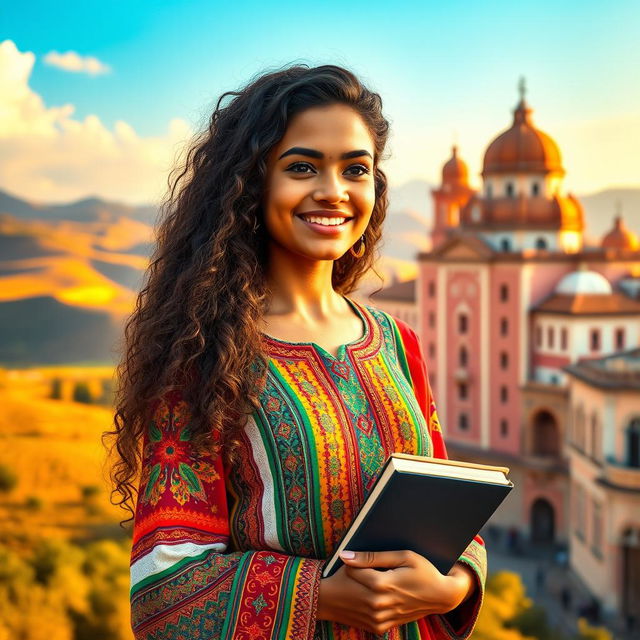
{"x": 169, "y": 459}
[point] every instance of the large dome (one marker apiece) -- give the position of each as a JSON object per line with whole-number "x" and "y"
{"x": 584, "y": 281}
{"x": 522, "y": 148}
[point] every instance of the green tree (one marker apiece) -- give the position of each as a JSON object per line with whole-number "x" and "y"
{"x": 505, "y": 598}
{"x": 56, "y": 389}
{"x": 81, "y": 393}
{"x": 587, "y": 632}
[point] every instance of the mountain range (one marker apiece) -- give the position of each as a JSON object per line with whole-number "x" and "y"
{"x": 69, "y": 273}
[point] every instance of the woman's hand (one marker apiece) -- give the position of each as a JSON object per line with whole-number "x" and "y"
{"x": 411, "y": 588}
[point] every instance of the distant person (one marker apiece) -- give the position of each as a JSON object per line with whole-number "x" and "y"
{"x": 258, "y": 400}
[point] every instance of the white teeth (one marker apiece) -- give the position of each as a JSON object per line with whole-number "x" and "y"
{"x": 327, "y": 222}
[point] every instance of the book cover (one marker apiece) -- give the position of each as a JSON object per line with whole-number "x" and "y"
{"x": 435, "y": 516}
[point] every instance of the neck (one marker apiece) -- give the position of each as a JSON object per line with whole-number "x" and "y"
{"x": 302, "y": 288}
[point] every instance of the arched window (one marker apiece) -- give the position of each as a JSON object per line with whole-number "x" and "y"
{"x": 546, "y": 434}
{"x": 563, "y": 339}
{"x": 463, "y": 356}
{"x": 510, "y": 190}
{"x": 504, "y": 326}
{"x": 504, "y": 292}
{"x": 535, "y": 189}
{"x": 504, "y": 360}
{"x": 633, "y": 443}
{"x": 541, "y": 243}
{"x": 505, "y": 244}
{"x": 463, "y": 323}
{"x": 463, "y": 421}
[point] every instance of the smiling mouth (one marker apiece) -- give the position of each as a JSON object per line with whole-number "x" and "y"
{"x": 325, "y": 220}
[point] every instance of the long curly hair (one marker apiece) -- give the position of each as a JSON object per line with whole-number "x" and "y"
{"x": 195, "y": 323}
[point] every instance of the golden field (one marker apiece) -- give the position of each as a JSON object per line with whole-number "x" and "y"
{"x": 64, "y": 559}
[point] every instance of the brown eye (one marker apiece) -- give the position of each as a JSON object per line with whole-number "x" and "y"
{"x": 298, "y": 167}
{"x": 362, "y": 170}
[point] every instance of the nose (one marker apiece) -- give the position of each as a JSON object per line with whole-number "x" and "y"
{"x": 331, "y": 188}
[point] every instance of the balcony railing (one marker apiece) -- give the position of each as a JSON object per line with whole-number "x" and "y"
{"x": 621, "y": 475}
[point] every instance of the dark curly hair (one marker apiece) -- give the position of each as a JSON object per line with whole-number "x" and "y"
{"x": 195, "y": 323}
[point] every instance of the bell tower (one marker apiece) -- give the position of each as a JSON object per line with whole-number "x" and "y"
{"x": 450, "y": 197}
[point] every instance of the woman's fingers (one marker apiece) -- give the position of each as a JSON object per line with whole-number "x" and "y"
{"x": 370, "y": 578}
{"x": 378, "y": 559}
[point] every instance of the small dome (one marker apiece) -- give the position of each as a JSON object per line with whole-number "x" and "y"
{"x": 455, "y": 171}
{"x": 620, "y": 237}
{"x": 522, "y": 148}
{"x": 584, "y": 281}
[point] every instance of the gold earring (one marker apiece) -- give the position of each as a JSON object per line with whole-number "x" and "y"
{"x": 360, "y": 251}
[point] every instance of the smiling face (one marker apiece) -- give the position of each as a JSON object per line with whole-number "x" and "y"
{"x": 322, "y": 168}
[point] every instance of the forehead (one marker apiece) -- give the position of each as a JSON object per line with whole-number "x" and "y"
{"x": 330, "y": 129}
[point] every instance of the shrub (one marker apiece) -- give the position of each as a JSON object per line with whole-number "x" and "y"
{"x": 56, "y": 389}
{"x": 8, "y": 479}
{"x": 587, "y": 632}
{"x": 33, "y": 503}
{"x": 90, "y": 491}
{"x": 81, "y": 393}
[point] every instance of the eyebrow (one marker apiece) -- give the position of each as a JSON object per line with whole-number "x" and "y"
{"x": 313, "y": 153}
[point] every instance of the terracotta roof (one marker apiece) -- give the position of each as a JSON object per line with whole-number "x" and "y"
{"x": 455, "y": 171}
{"x": 620, "y": 237}
{"x": 593, "y": 256}
{"x": 590, "y": 304}
{"x": 399, "y": 291}
{"x": 477, "y": 248}
{"x": 620, "y": 371}
{"x": 524, "y": 212}
{"x": 522, "y": 148}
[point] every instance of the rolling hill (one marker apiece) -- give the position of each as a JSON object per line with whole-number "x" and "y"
{"x": 69, "y": 273}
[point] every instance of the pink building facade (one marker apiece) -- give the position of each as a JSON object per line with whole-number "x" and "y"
{"x": 507, "y": 301}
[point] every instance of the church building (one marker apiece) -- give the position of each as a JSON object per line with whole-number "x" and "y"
{"x": 532, "y": 339}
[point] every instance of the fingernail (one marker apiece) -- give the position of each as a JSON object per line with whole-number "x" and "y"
{"x": 348, "y": 555}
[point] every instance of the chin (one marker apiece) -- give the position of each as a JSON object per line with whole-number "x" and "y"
{"x": 334, "y": 254}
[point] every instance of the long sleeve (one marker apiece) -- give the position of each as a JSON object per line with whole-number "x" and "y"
{"x": 458, "y": 623}
{"x": 185, "y": 582}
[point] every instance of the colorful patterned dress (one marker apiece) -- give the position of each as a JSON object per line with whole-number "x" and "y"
{"x": 237, "y": 552}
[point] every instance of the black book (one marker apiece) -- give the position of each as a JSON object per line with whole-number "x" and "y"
{"x": 431, "y": 506}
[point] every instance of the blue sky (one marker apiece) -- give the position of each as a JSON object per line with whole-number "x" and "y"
{"x": 445, "y": 70}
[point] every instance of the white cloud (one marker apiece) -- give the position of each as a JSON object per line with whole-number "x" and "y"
{"x": 50, "y": 156}
{"x": 75, "y": 63}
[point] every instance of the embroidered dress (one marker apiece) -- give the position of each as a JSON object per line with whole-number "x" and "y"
{"x": 237, "y": 553}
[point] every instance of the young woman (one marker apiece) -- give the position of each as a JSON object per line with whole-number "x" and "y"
{"x": 258, "y": 401}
